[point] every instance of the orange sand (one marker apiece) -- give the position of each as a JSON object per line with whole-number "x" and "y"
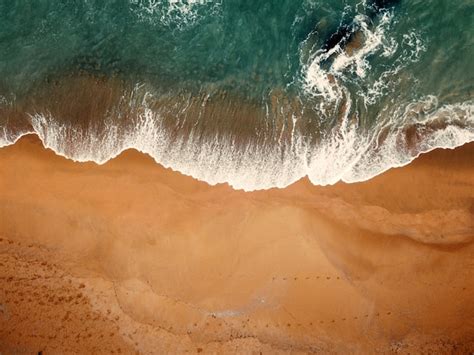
{"x": 131, "y": 257}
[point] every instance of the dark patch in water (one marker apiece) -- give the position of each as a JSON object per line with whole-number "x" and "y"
{"x": 346, "y": 32}
{"x": 377, "y": 6}
{"x": 340, "y": 37}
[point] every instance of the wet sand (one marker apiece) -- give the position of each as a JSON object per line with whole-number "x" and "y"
{"x": 130, "y": 257}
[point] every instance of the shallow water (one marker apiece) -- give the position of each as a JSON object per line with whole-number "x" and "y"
{"x": 250, "y": 93}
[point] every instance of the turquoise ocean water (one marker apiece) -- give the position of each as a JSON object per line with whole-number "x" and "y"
{"x": 254, "y": 93}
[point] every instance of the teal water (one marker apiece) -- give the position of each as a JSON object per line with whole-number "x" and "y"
{"x": 238, "y": 91}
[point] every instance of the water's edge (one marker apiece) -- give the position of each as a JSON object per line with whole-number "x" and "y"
{"x": 197, "y": 176}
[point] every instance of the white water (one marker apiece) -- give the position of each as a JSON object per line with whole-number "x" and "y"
{"x": 346, "y": 155}
{"x": 179, "y": 13}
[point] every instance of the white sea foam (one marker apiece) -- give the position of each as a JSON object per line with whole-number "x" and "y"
{"x": 347, "y": 154}
{"x": 326, "y": 73}
{"x": 396, "y": 151}
{"x": 179, "y": 13}
{"x": 8, "y": 138}
{"x": 214, "y": 161}
{"x": 373, "y": 40}
{"x": 327, "y": 82}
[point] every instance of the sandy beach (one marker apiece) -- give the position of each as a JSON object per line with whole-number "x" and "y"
{"x": 129, "y": 257}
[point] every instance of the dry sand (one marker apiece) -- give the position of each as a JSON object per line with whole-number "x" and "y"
{"x": 131, "y": 257}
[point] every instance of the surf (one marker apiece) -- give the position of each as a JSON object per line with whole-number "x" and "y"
{"x": 231, "y": 92}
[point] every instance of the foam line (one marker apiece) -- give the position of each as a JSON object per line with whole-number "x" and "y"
{"x": 346, "y": 155}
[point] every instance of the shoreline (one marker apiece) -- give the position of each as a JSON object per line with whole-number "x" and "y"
{"x": 188, "y": 172}
{"x": 186, "y": 266}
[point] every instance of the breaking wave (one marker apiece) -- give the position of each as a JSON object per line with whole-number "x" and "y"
{"x": 345, "y": 155}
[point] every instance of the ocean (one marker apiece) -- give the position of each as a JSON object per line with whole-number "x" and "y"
{"x": 256, "y": 94}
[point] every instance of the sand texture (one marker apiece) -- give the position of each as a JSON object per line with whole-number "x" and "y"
{"x": 130, "y": 257}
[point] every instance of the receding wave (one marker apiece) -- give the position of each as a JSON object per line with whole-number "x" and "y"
{"x": 284, "y": 156}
